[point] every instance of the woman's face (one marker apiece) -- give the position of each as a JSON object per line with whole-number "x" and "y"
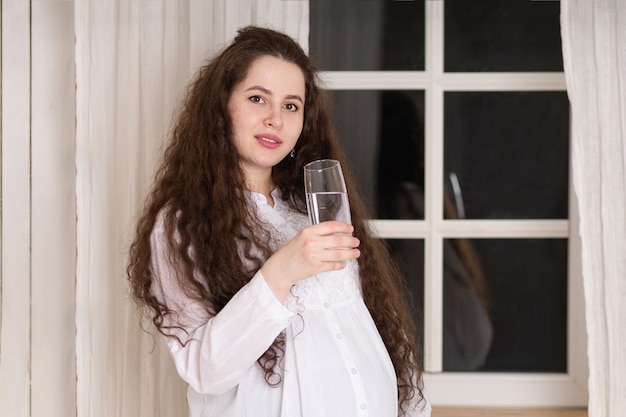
{"x": 267, "y": 113}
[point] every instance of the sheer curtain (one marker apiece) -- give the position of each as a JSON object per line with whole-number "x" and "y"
{"x": 133, "y": 60}
{"x": 594, "y": 50}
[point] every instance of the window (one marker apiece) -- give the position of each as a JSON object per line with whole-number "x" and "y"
{"x": 455, "y": 119}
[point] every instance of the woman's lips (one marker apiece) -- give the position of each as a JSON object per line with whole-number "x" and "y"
{"x": 268, "y": 141}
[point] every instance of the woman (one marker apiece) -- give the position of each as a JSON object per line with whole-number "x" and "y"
{"x": 261, "y": 315}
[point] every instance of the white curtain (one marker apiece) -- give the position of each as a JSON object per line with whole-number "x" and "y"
{"x": 594, "y": 50}
{"x": 133, "y": 61}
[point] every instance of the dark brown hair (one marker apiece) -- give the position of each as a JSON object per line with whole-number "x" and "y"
{"x": 200, "y": 180}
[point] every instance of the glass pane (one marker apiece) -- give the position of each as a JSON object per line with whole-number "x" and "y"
{"x": 505, "y": 305}
{"x": 506, "y": 155}
{"x": 502, "y": 35}
{"x": 382, "y": 133}
{"x": 358, "y": 35}
{"x": 409, "y": 257}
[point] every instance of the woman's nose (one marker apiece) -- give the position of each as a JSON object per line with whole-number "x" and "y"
{"x": 274, "y": 119}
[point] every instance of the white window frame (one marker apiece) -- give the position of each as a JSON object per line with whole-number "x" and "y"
{"x": 567, "y": 389}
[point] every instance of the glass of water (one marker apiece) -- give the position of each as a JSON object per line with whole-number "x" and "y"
{"x": 326, "y": 195}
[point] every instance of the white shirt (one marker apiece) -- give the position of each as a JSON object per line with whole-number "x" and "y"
{"x": 335, "y": 362}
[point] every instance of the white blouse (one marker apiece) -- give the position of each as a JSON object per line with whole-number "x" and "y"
{"x": 335, "y": 362}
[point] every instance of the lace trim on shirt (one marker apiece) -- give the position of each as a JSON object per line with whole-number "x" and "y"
{"x": 326, "y": 289}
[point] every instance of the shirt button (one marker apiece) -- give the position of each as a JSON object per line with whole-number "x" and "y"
{"x": 339, "y": 336}
{"x": 363, "y": 406}
{"x": 326, "y": 305}
{"x": 353, "y": 370}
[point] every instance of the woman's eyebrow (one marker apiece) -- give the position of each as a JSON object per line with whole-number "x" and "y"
{"x": 269, "y": 92}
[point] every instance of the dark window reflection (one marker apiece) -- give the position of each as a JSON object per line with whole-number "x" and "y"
{"x": 505, "y": 305}
{"x": 467, "y": 325}
{"x": 409, "y": 257}
{"x": 382, "y": 133}
{"x": 502, "y": 35}
{"x": 506, "y": 154}
{"x": 357, "y": 35}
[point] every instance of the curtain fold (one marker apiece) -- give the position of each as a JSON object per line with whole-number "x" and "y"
{"x": 594, "y": 53}
{"x": 133, "y": 61}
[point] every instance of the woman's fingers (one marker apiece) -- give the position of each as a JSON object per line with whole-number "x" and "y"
{"x": 341, "y": 255}
{"x": 342, "y": 242}
{"x": 330, "y": 235}
{"x": 331, "y": 228}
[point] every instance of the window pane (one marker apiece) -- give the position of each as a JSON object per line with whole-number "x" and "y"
{"x": 502, "y": 35}
{"x": 505, "y": 305}
{"x": 382, "y": 133}
{"x": 409, "y": 256}
{"x": 508, "y": 154}
{"x": 372, "y": 35}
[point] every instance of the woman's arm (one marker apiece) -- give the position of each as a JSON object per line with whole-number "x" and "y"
{"x": 216, "y": 352}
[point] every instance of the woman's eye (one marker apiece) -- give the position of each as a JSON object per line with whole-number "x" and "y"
{"x": 256, "y": 99}
{"x": 291, "y": 107}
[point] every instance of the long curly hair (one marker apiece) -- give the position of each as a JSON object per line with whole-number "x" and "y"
{"x": 200, "y": 181}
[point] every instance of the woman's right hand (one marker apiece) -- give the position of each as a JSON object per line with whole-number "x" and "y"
{"x": 319, "y": 248}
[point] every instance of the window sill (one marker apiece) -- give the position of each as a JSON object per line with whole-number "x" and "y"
{"x": 486, "y": 412}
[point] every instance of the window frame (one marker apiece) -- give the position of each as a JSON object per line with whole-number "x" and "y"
{"x": 567, "y": 389}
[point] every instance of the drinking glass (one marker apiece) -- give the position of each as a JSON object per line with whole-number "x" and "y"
{"x": 326, "y": 195}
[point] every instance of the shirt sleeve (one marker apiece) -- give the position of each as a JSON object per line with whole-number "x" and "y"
{"x": 216, "y": 351}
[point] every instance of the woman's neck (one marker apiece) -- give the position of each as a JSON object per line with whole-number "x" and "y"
{"x": 262, "y": 185}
